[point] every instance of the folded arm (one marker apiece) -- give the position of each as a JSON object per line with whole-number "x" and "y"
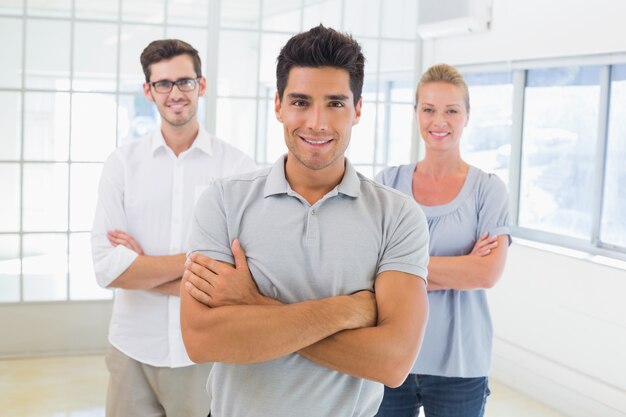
{"x": 218, "y": 330}
{"x": 384, "y": 350}
{"x": 159, "y": 273}
{"x": 482, "y": 268}
{"x": 119, "y": 260}
{"x": 387, "y": 351}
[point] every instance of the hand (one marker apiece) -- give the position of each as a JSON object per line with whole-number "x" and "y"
{"x": 216, "y": 284}
{"x": 365, "y": 309}
{"x": 118, "y": 237}
{"x": 484, "y": 245}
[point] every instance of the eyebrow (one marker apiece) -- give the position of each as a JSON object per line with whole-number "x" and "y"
{"x": 332, "y": 97}
{"x": 447, "y": 105}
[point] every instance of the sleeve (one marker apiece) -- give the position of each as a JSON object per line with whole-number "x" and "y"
{"x": 236, "y": 161}
{"x": 109, "y": 261}
{"x": 493, "y": 208}
{"x": 387, "y": 176}
{"x": 406, "y": 249}
{"x": 246, "y": 164}
{"x": 209, "y": 228}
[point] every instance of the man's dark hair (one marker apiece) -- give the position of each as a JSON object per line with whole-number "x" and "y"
{"x": 321, "y": 47}
{"x": 164, "y": 49}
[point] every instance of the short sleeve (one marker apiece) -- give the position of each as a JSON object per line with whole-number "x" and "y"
{"x": 406, "y": 248}
{"x": 493, "y": 208}
{"x": 209, "y": 231}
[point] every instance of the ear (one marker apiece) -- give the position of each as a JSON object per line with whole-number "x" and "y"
{"x": 357, "y": 111}
{"x": 201, "y": 86}
{"x": 277, "y": 107}
{"x": 467, "y": 119}
{"x": 147, "y": 91}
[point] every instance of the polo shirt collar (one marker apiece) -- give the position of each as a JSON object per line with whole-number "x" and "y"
{"x": 350, "y": 184}
{"x": 203, "y": 142}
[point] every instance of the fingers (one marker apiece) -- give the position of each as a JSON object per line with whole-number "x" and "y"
{"x": 239, "y": 255}
{"x": 191, "y": 286}
{"x": 204, "y": 261}
{"x": 118, "y": 237}
{"x": 486, "y": 248}
{"x": 484, "y": 245}
{"x": 199, "y": 271}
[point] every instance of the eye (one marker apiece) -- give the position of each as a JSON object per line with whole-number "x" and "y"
{"x": 299, "y": 103}
{"x": 453, "y": 111}
{"x": 427, "y": 110}
{"x": 186, "y": 82}
{"x": 336, "y": 104}
{"x": 163, "y": 84}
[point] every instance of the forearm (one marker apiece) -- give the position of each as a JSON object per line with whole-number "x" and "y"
{"x": 150, "y": 272}
{"x": 386, "y": 352}
{"x": 469, "y": 272}
{"x": 257, "y": 333}
{"x": 169, "y": 288}
{"x": 374, "y": 353}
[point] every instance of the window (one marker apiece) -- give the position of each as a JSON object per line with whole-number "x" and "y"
{"x": 564, "y": 161}
{"x": 613, "y": 227}
{"x": 246, "y": 80}
{"x": 558, "y": 150}
{"x": 486, "y": 140}
{"x": 66, "y": 108}
{"x": 64, "y": 111}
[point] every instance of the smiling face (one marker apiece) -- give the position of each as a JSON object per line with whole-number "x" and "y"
{"x": 317, "y": 111}
{"x": 177, "y": 108}
{"x": 442, "y": 115}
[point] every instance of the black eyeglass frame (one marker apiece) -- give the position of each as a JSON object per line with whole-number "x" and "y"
{"x": 177, "y": 83}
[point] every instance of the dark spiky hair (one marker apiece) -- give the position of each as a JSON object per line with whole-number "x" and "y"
{"x": 321, "y": 47}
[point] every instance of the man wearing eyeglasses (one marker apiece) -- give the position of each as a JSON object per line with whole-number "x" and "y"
{"x": 147, "y": 192}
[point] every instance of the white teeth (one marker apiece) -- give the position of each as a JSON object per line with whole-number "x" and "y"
{"x": 315, "y": 142}
{"x": 439, "y": 134}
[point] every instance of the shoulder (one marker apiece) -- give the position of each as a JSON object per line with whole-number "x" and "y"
{"x": 490, "y": 192}
{"x": 247, "y": 180}
{"x": 392, "y": 175}
{"x": 131, "y": 152}
{"x": 384, "y": 197}
{"x": 220, "y": 148}
{"x": 487, "y": 182}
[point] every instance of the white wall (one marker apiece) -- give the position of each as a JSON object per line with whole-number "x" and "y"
{"x": 560, "y": 326}
{"x": 54, "y": 328}
{"x": 533, "y": 29}
{"x": 560, "y": 322}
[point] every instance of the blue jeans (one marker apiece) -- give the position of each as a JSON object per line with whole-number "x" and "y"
{"x": 440, "y": 396}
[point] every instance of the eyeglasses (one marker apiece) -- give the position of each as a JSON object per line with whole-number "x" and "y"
{"x": 184, "y": 84}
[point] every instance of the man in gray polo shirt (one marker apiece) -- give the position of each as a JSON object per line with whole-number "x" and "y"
{"x": 328, "y": 302}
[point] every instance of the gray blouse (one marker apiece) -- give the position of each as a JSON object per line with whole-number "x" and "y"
{"x": 459, "y": 333}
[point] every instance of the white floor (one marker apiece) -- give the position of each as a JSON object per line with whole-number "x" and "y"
{"x": 76, "y": 387}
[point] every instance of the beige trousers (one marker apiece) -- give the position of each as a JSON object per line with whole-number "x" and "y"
{"x": 140, "y": 390}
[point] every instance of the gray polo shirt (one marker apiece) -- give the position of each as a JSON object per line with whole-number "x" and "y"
{"x": 296, "y": 252}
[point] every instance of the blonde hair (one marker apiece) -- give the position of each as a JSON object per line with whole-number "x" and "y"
{"x": 444, "y": 73}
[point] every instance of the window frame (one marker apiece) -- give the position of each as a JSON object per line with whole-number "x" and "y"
{"x": 593, "y": 246}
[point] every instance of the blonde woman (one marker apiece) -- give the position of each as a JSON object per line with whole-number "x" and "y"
{"x": 467, "y": 212}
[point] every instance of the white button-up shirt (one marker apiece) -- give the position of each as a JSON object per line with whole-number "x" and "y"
{"x": 148, "y": 192}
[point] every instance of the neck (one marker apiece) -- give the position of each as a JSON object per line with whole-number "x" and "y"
{"x": 179, "y": 138}
{"x": 313, "y": 184}
{"x": 439, "y": 165}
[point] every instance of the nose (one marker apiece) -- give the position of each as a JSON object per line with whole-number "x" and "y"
{"x": 317, "y": 118}
{"x": 440, "y": 119}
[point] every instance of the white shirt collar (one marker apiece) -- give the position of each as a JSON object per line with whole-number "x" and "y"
{"x": 202, "y": 142}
